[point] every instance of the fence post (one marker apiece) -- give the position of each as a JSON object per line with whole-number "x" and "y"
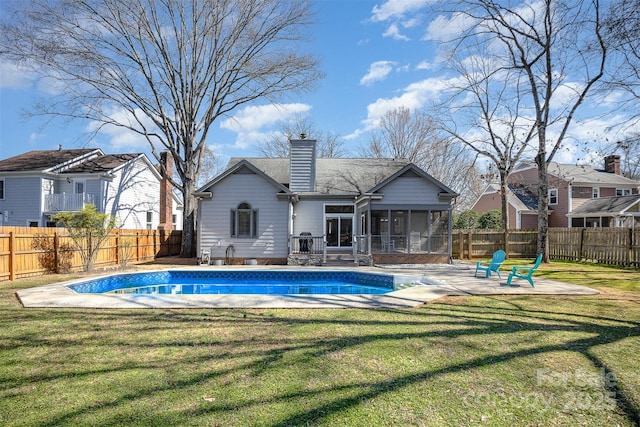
{"x": 629, "y": 248}
{"x": 56, "y": 258}
{"x": 581, "y": 246}
{"x": 469, "y": 243}
{"x": 117, "y": 257}
{"x": 137, "y": 246}
{"x": 12, "y": 258}
{"x": 506, "y": 241}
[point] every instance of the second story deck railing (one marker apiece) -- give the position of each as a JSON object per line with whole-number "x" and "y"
{"x": 66, "y": 202}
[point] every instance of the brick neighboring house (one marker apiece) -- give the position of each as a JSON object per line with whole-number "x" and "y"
{"x": 41, "y": 183}
{"x": 579, "y": 196}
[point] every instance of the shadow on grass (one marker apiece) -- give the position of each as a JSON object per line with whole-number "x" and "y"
{"x": 226, "y": 344}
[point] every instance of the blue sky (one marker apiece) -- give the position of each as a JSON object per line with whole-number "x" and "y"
{"x": 377, "y": 55}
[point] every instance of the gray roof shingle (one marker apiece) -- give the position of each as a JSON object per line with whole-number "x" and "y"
{"x": 333, "y": 175}
{"x": 606, "y": 205}
{"x": 40, "y": 160}
{"x": 101, "y": 164}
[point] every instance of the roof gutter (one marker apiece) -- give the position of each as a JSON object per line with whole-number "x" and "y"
{"x": 203, "y": 195}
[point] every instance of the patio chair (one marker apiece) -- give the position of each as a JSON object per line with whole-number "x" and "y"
{"x": 524, "y": 272}
{"x": 496, "y": 261}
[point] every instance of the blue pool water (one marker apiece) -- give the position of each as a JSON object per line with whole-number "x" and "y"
{"x": 200, "y": 282}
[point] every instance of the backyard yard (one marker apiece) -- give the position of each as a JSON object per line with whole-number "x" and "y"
{"x": 463, "y": 361}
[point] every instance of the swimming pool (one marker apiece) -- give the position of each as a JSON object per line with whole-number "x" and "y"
{"x": 235, "y": 282}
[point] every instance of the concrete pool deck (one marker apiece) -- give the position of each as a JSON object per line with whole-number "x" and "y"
{"x": 431, "y": 282}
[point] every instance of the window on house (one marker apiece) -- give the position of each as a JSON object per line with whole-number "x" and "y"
{"x": 174, "y": 219}
{"x": 553, "y": 196}
{"x": 1, "y": 189}
{"x": 595, "y": 192}
{"x": 623, "y": 192}
{"x": 79, "y": 187}
{"x": 149, "y": 219}
{"x": 244, "y": 221}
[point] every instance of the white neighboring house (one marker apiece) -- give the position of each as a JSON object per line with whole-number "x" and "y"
{"x": 38, "y": 184}
{"x": 302, "y": 209}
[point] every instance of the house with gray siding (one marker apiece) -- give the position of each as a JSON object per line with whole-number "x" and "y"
{"x": 303, "y": 210}
{"x": 38, "y": 184}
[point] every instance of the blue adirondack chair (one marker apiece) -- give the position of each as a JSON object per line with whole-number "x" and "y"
{"x": 496, "y": 261}
{"x": 524, "y": 272}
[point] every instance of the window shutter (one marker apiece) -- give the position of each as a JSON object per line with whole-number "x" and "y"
{"x": 232, "y": 223}
{"x": 254, "y": 225}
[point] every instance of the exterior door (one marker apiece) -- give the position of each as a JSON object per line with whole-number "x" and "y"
{"x": 339, "y": 231}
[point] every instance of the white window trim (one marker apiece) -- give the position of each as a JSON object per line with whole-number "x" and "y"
{"x": 623, "y": 191}
{"x": 595, "y": 192}
{"x": 235, "y": 222}
{"x": 556, "y": 197}
{"x": 149, "y": 222}
{"x": 79, "y": 181}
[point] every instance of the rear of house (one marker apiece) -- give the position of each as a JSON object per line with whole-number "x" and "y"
{"x": 298, "y": 209}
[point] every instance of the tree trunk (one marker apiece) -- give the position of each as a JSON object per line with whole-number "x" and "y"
{"x": 188, "y": 249}
{"x": 543, "y": 206}
{"x": 504, "y": 187}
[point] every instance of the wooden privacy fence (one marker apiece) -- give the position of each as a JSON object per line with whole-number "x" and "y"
{"x": 616, "y": 246}
{"x": 30, "y": 251}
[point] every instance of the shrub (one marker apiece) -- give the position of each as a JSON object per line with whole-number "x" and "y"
{"x": 490, "y": 220}
{"x": 467, "y": 219}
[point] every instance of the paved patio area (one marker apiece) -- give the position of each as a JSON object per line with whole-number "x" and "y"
{"x": 431, "y": 282}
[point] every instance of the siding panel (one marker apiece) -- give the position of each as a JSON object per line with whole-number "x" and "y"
{"x": 411, "y": 190}
{"x": 22, "y": 198}
{"x": 273, "y": 213}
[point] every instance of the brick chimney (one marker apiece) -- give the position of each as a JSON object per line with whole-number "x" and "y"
{"x": 612, "y": 164}
{"x": 166, "y": 193}
{"x": 302, "y": 164}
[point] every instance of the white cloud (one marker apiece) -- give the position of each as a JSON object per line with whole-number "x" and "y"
{"x": 253, "y": 124}
{"x": 396, "y": 9}
{"x": 424, "y": 65}
{"x": 14, "y": 76}
{"x": 253, "y": 118}
{"x": 445, "y": 29}
{"x": 377, "y": 71}
{"x": 121, "y": 138}
{"x": 35, "y": 136}
{"x": 394, "y": 32}
{"x": 414, "y": 96}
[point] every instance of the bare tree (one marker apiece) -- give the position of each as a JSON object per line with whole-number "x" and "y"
{"x": 630, "y": 149}
{"x": 555, "y": 53}
{"x": 211, "y": 167}
{"x": 163, "y": 69}
{"x": 402, "y": 134}
{"x": 484, "y": 113}
{"x": 414, "y": 136}
{"x": 622, "y": 31}
{"x": 329, "y": 143}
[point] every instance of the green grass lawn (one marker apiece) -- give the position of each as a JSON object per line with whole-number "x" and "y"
{"x": 460, "y": 361}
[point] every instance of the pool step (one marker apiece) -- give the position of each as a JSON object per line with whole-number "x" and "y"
{"x": 339, "y": 260}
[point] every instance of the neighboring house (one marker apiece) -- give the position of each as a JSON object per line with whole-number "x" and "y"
{"x": 522, "y": 203}
{"x": 573, "y": 190}
{"x": 38, "y": 184}
{"x": 301, "y": 208}
{"x": 618, "y": 211}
